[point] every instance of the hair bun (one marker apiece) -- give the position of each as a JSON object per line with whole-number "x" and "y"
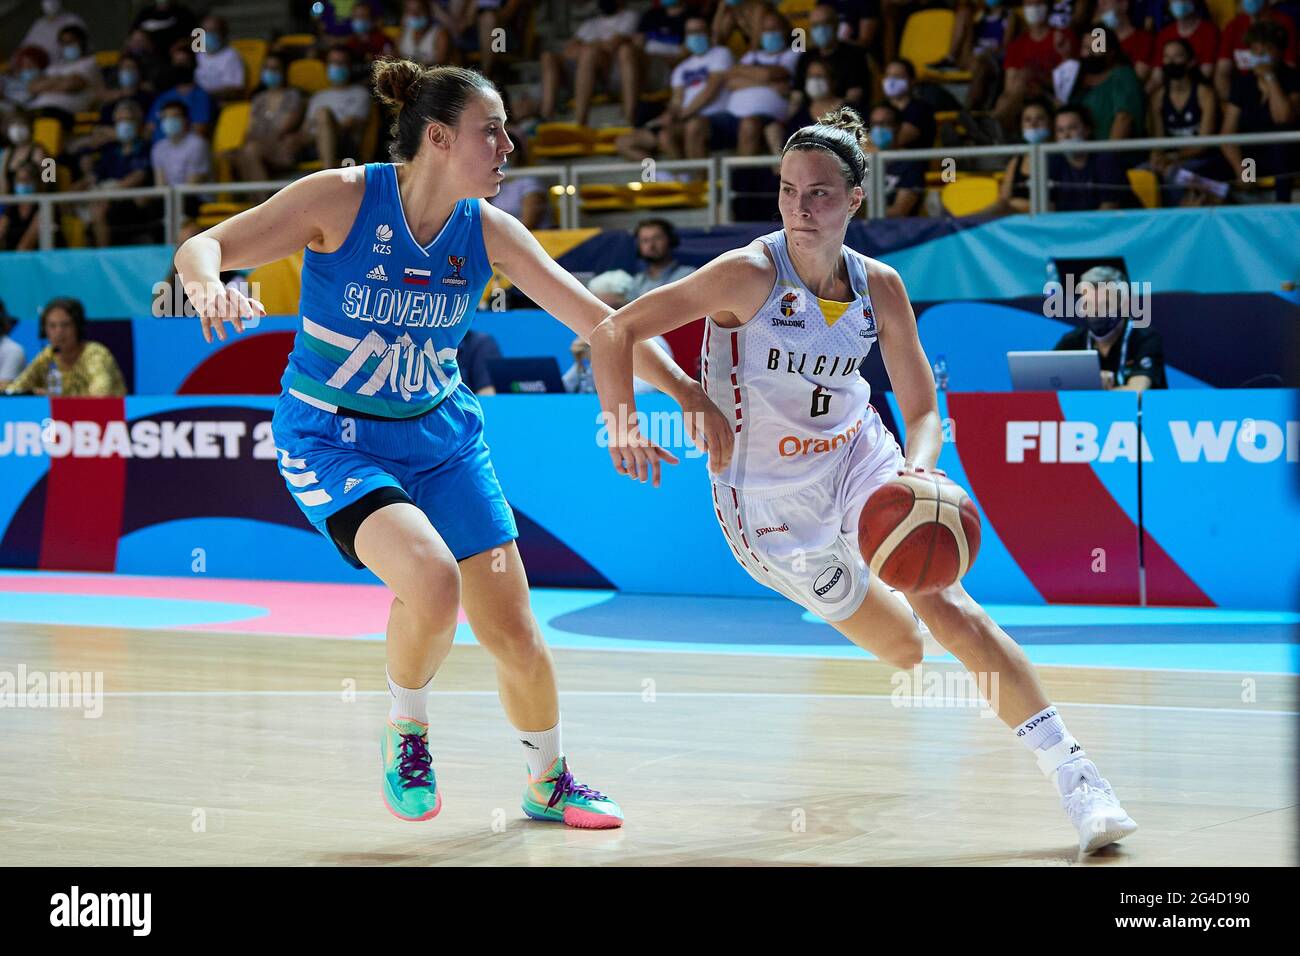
{"x": 849, "y": 120}
{"x": 395, "y": 81}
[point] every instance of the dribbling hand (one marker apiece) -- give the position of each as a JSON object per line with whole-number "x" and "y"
{"x": 217, "y": 304}
{"x": 638, "y": 457}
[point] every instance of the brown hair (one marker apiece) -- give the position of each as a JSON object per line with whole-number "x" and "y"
{"x": 842, "y": 133}
{"x": 420, "y": 95}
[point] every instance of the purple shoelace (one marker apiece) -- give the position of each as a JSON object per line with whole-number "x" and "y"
{"x": 415, "y": 763}
{"x": 565, "y": 784}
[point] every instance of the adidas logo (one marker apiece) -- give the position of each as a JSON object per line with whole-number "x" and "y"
{"x": 350, "y": 484}
{"x": 378, "y": 273}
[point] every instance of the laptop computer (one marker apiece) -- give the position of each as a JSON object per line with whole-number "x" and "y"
{"x": 526, "y": 376}
{"x": 1055, "y": 371}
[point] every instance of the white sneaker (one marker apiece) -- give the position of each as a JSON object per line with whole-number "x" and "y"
{"x": 1091, "y": 805}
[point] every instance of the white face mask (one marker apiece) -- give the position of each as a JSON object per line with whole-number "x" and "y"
{"x": 1035, "y": 14}
{"x": 817, "y": 86}
{"x": 18, "y": 134}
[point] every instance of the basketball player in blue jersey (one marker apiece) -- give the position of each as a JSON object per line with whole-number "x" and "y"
{"x": 790, "y": 318}
{"x": 379, "y": 441}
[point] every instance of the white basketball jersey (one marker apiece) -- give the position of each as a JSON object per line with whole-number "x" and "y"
{"x": 790, "y": 377}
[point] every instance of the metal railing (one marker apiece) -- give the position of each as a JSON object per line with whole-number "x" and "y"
{"x": 719, "y": 171}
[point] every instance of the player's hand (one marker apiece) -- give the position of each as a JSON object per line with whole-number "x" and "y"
{"x": 638, "y": 457}
{"x": 915, "y": 471}
{"x": 709, "y": 430}
{"x": 217, "y": 304}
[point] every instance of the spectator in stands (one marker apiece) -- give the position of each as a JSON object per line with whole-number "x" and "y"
{"x": 980, "y": 34}
{"x": 759, "y": 86}
{"x": 1132, "y": 358}
{"x": 71, "y": 84}
{"x": 488, "y": 15}
{"x": 19, "y": 222}
{"x": 220, "y": 68}
{"x": 12, "y": 355}
{"x": 153, "y": 65}
{"x": 86, "y": 368}
{"x": 738, "y": 16}
{"x": 1191, "y": 25}
{"x": 819, "y": 98}
{"x": 1184, "y": 105}
{"x": 1072, "y": 15}
{"x": 271, "y": 145}
{"x": 1035, "y": 127}
{"x": 1031, "y": 57}
{"x": 1108, "y": 86}
{"x": 656, "y": 240}
{"x": 1234, "y": 48}
{"x": 916, "y": 128}
{"x": 22, "y": 149}
{"x": 860, "y": 21}
{"x": 696, "y": 115}
{"x": 591, "y": 54}
{"x": 657, "y": 45}
{"x": 368, "y": 40}
{"x": 1265, "y": 100}
{"x": 526, "y": 198}
{"x": 45, "y": 29}
{"x": 1138, "y": 44}
{"x": 1081, "y": 181}
{"x": 180, "y": 86}
{"x": 128, "y": 83}
{"x": 476, "y": 349}
{"x": 164, "y": 22}
{"x": 336, "y": 116}
{"x": 28, "y": 64}
{"x": 614, "y": 289}
{"x": 181, "y": 157}
{"x": 423, "y": 40}
{"x": 847, "y": 63}
{"x": 904, "y": 181}
{"x": 122, "y": 164}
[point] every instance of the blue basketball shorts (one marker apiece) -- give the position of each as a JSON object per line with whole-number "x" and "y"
{"x": 440, "y": 460}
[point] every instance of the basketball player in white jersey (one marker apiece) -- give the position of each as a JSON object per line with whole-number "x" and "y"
{"x": 790, "y": 318}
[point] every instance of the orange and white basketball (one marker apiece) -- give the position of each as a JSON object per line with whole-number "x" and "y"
{"x": 919, "y": 534}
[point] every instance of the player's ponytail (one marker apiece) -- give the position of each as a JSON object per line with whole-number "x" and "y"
{"x": 842, "y": 133}
{"x": 419, "y": 95}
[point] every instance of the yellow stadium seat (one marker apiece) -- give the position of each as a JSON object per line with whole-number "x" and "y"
{"x": 107, "y": 58}
{"x": 291, "y": 41}
{"x": 308, "y": 74}
{"x": 605, "y": 137}
{"x": 47, "y": 131}
{"x": 670, "y": 195}
{"x": 280, "y": 282}
{"x": 393, "y": 33}
{"x": 969, "y": 194}
{"x": 792, "y": 7}
{"x": 252, "y": 50}
{"x": 552, "y": 140}
{"x": 926, "y": 37}
{"x": 232, "y": 126}
{"x": 1146, "y": 187}
{"x": 1221, "y": 11}
{"x": 74, "y": 230}
{"x": 606, "y": 197}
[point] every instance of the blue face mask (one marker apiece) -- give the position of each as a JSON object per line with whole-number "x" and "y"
{"x": 1252, "y": 6}
{"x": 823, "y": 34}
{"x": 172, "y": 126}
{"x": 338, "y": 74}
{"x": 882, "y": 136}
{"x": 1111, "y": 19}
{"x": 215, "y": 42}
{"x": 29, "y": 74}
{"x": 24, "y": 189}
{"x": 1181, "y": 8}
{"x": 992, "y": 4}
{"x": 125, "y": 130}
{"x": 360, "y": 26}
{"x": 733, "y": 3}
{"x": 127, "y": 78}
{"x": 1038, "y": 135}
{"x": 772, "y": 40}
{"x": 697, "y": 43}
{"x": 417, "y": 23}
{"x": 72, "y": 52}
{"x": 272, "y": 78}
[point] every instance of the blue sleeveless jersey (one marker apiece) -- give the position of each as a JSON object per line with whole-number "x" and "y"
{"x": 381, "y": 315}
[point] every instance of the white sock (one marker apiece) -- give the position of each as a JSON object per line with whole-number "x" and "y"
{"x": 541, "y": 747}
{"x": 408, "y": 703}
{"x": 1047, "y": 739}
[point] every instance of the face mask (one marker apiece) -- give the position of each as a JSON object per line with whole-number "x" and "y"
{"x": 360, "y": 26}
{"x": 895, "y": 86}
{"x": 416, "y": 24}
{"x": 24, "y": 189}
{"x": 1263, "y": 59}
{"x": 172, "y": 126}
{"x": 338, "y": 74}
{"x": 1072, "y": 138}
{"x": 882, "y": 136}
{"x": 697, "y": 43}
{"x": 993, "y": 4}
{"x": 1111, "y": 19}
{"x": 125, "y": 130}
{"x": 19, "y": 134}
{"x": 72, "y": 52}
{"x": 1252, "y": 6}
{"x": 1103, "y": 325}
{"x": 1037, "y": 134}
{"x": 127, "y": 78}
{"x": 772, "y": 41}
{"x": 733, "y": 3}
{"x": 1175, "y": 71}
{"x": 214, "y": 42}
{"x": 816, "y": 87}
{"x": 1181, "y": 8}
{"x": 51, "y": 7}
{"x": 823, "y": 34}
{"x": 1035, "y": 15}
{"x": 28, "y": 74}
{"x": 272, "y": 78}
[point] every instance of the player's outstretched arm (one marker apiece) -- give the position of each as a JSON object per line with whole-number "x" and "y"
{"x": 909, "y": 370}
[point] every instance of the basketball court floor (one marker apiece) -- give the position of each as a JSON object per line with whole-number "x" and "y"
{"x": 236, "y": 722}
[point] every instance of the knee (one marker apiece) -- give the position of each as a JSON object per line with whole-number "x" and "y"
{"x": 952, "y": 616}
{"x": 435, "y": 600}
{"x": 516, "y": 641}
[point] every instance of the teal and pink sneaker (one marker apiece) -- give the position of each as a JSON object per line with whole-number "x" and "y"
{"x": 556, "y": 796}
{"x": 410, "y": 788}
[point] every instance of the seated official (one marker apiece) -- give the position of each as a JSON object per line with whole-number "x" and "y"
{"x": 1132, "y": 359}
{"x": 84, "y": 369}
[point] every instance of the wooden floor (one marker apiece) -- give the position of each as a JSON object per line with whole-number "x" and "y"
{"x": 239, "y": 749}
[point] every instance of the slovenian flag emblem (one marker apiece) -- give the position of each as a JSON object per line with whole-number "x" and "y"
{"x": 416, "y": 276}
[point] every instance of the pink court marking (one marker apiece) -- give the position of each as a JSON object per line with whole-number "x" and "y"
{"x": 288, "y": 607}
